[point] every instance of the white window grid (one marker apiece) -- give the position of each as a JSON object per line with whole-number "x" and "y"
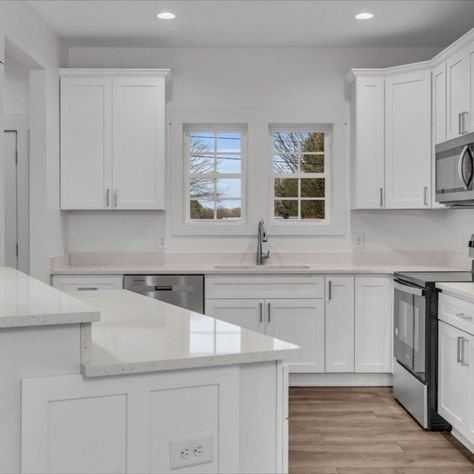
{"x": 215, "y": 130}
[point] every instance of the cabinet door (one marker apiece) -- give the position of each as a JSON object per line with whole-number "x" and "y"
{"x": 373, "y": 324}
{"x": 86, "y": 134}
{"x": 457, "y": 75}
{"x": 247, "y": 313}
{"x": 368, "y": 143}
{"x": 470, "y": 52}
{"x": 439, "y": 103}
{"x": 408, "y": 140}
{"x": 138, "y": 142}
{"x": 453, "y": 377}
{"x": 301, "y": 322}
{"x": 340, "y": 324}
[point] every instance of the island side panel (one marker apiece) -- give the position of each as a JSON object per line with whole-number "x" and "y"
{"x": 30, "y": 352}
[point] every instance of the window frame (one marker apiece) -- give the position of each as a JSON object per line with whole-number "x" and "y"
{"x": 327, "y": 175}
{"x": 215, "y": 129}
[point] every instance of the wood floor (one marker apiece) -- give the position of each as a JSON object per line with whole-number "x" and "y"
{"x": 363, "y": 430}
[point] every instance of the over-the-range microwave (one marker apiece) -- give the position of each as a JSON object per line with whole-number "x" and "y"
{"x": 455, "y": 171}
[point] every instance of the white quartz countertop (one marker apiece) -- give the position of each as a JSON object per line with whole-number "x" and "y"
{"x": 466, "y": 290}
{"x": 25, "y": 301}
{"x": 138, "y": 334}
{"x": 209, "y": 269}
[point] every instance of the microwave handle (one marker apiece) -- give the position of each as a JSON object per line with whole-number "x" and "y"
{"x": 465, "y": 151}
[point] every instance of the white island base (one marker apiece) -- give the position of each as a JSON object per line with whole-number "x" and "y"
{"x": 148, "y": 388}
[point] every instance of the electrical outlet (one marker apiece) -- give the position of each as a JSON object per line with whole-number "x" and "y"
{"x": 191, "y": 450}
{"x": 161, "y": 241}
{"x": 358, "y": 240}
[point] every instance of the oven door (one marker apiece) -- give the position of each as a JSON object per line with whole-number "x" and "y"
{"x": 409, "y": 328}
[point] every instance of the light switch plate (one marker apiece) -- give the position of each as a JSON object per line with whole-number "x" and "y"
{"x": 358, "y": 240}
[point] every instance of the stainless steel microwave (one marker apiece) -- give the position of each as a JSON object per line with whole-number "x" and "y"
{"x": 455, "y": 171}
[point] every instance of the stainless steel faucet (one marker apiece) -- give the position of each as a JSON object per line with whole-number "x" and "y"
{"x": 261, "y": 237}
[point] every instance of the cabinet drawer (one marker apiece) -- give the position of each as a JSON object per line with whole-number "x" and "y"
{"x": 87, "y": 282}
{"x": 456, "y": 312}
{"x": 259, "y": 286}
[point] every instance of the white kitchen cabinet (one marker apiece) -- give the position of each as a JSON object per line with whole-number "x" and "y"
{"x": 339, "y": 324}
{"x": 87, "y": 282}
{"x": 408, "y": 140}
{"x": 455, "y": 377}
{"x": 373, "y": 324}
{"x": 86, "y": 148}
{"x": 439, "y": 103}
{"x": 112, "y": 139}
{"x": 458, "y": 92}
{"x": 367, "y": 142}
{"x": 247, "y": 313}
{"x": 301, "y": 322}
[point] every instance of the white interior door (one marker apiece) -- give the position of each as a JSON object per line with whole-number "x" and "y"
{"x": 11, "y": 199}
{"x": 138, "y": 142}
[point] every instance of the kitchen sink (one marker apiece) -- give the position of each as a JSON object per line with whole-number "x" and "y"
{"x": 261, "y": 267}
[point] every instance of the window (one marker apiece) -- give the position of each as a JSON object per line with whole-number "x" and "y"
{"x": 215, "y": 164}
{"x": 300, "y": 175}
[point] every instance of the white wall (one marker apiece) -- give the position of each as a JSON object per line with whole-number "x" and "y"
{"x": 17, "y": 87}
{"x": 282, "y": 79}
{"x": 30, "y": 37}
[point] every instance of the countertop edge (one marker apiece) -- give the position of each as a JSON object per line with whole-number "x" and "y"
{"x": 41, "y": 320}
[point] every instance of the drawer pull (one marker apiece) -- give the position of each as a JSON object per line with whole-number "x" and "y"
{"x": 464, "y": 315}
{"x": 88, "y": 289}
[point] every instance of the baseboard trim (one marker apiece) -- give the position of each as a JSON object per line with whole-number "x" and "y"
{"x": 462, "y": 439}
{"x": 341, "y": 380}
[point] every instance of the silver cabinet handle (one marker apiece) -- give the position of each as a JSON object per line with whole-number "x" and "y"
{"x": 381, "y": 197}
{"x": 458, "y": 350}
{"x": 463, "y": 121}
{"x": 261, "y": 312}
{"x": 87, "y": 289}
{"x": 463, "y": 315}
{"x": 269, "y": 308}
{"x": 425, "y": 195}
{"x": 115, "y": 197}
{"x": 463, "y": 351}
{"x": 107, "y": 198}
{"x": 460, "y": 119}
{"x": 329, "y": 289}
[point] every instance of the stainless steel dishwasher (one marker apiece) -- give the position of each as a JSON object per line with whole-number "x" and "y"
{"x": 186, "y": 291}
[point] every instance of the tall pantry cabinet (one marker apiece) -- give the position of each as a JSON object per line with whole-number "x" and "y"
{"x": 113, "y": 139}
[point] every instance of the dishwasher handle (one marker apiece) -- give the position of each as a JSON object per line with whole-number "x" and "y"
{"x": 164, "y": 288}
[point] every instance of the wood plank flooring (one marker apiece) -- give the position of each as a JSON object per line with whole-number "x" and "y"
{"x": 363, "y": 430}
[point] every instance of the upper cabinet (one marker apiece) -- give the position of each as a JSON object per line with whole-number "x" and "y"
{"x": 113, "y": 139}
{"x": 439, "y": 103}
{"x": 408, "y": 140}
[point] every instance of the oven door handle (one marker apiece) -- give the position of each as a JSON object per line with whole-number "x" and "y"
{"x": 409, "y": 289}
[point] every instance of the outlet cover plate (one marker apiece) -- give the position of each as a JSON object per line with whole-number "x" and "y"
{"x": 191, "y": 450}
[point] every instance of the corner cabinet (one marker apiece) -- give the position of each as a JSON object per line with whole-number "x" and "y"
{"x": 113, "y": 139}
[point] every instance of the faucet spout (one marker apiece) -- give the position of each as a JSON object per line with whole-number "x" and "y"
{"x": 261, "y": 237}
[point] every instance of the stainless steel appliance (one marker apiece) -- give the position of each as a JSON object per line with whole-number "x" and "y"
{"x": 455, "y": 171}
{"x": 186, "y": 291}
{"x": 415, "y": 377}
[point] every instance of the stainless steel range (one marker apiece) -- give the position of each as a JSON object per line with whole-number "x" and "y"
{"x": 416, "y": 343}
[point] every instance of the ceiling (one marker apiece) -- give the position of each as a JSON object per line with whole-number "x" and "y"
{"x": 255, "y": 23}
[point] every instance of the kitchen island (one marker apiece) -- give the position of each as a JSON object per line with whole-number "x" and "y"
{"x": 148, "y": 388}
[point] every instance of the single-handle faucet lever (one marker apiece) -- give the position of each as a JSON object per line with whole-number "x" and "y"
{"x": 261, "y": 237}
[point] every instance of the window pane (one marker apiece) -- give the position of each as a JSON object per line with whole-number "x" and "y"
{"x": 314, "y": 187}
{"x": 201, "y": 209}
{"x": 202, "y": 142}
{"x": 202, "y": 188}
{"x": 312, "y": 163}
{"x": 312, "y": 209}
{"x": 285, "y": 142}
{"x": 286, "y": 187}
{"x": 229, "y": 164}
{"x": 228, "y": 188}
{"x": 286, "y": 209}
{"x": 229, "y": 209}
{"x": 201, "y": 163}
{"x": 285, "y": 163}
{"x": 229, "y": 142}
{"x": 312, "y": 141}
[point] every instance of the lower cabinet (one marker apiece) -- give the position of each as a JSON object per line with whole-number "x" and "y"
{"x": 342, "y": 323}
{"x": 87, "y": 282}
{"x": 299, "y": 321}
{"x": 456, "y": 378}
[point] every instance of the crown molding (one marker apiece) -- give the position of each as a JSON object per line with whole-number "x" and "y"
{"x": 83, "y": 72}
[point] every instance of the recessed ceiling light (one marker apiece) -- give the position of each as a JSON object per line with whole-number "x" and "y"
{"x": 166, "y": 16}
{"x": 364, "y": 16}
